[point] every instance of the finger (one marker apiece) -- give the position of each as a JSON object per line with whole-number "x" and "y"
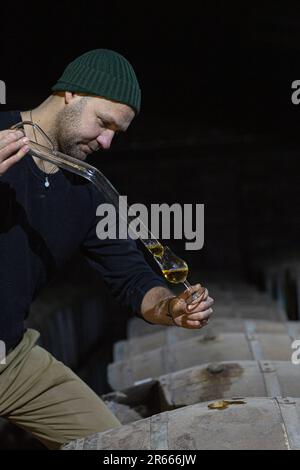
{"x": 192, "y": 324}
{"x": 195, "y": 325}
{"x": 198, "y": 300}
{"x": 4, "y": 166}
{"x": 200, "y": 316}
{"x": 12, "y": 148}
{"x": 179, "y": 304}
{"x": 191, "y": 290}
{"x": 204, "y": 296}
{"x": 187, "y": 295}
{"x": 9, "y": 136}
{"x": 199, "y": 306}
{"x": 198, "y": 297}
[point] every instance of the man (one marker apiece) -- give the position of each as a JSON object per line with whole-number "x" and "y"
{"x": 46, "y": 215}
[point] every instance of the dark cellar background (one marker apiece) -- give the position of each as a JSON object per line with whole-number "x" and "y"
{"x": 217, "y": 124}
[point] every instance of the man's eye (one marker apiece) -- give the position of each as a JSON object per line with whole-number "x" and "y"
{"x": 101, "y": 122}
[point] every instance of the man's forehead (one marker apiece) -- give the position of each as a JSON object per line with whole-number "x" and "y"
{"x": 106, "y": 105}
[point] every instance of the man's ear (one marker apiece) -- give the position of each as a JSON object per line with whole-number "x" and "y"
{"x": 69, "y": 96}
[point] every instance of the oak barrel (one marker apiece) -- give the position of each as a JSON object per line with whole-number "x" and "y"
{"x": 137, "y": 326}
{"x": 251, "y": 423}
{"x": 197, "y": 351}
{"x": 169, "y": 335}
{"x": 207, "y": 382}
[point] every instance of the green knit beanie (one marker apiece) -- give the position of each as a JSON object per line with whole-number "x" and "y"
{"x": 105, "y": 73}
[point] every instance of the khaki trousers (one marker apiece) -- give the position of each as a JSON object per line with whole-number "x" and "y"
{"x": 43, "y": 396}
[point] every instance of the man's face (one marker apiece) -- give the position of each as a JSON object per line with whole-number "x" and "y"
{"x": 86, "y": 124}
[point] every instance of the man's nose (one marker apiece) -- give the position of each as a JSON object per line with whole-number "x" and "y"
{"x": 105, "y": 138}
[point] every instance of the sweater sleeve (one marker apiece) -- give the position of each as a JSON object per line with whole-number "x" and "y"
{"x": 122, "y": 266}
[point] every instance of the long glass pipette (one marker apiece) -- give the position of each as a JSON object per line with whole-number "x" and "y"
{"x": 174, "y": 269}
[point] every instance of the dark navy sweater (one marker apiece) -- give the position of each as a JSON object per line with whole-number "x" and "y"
{"x": 41, "y": 228}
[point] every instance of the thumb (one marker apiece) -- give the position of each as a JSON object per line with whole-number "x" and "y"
{"x": 178, "y": 304}
{"x": 187, "y": 295}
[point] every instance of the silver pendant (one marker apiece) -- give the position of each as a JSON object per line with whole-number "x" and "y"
{"x": 47, "y": 184}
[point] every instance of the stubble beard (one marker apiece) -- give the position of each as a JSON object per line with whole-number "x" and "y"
{"x": 67, "y": 130}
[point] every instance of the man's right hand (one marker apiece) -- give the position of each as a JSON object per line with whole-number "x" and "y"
{"x": 13, "y": 147}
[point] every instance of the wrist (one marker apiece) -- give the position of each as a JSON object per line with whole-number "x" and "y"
{"x": 161, "y": 313}
{"x": 169, "y": 312}
{"x": 164, "y": 311}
